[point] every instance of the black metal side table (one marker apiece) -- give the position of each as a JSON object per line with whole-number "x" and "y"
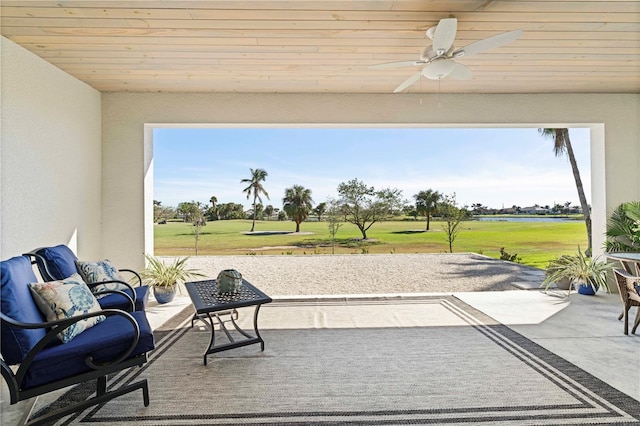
{"x": 210, "y": 306}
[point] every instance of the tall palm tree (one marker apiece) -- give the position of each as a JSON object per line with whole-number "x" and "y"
{"x": 562, "y": 146}
{"x": 213, "y": 211}
{"x": 297, "y": 203}
{"x": 255, "y": 188}
{"x": 427, "y": 203}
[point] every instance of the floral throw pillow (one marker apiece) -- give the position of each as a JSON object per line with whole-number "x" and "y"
{"x": 95, "y": 272}
{"x": 65, "y": 299}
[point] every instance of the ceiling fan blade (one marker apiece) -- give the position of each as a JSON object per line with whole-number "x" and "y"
{"x": 397, "y": 64}
{"x": 444, "y": 35}
{"x": 439, "y": 69}
{"x": 408, "y": 82}
{"x": 460, "y": 72}
{"x": 488, "y": 43}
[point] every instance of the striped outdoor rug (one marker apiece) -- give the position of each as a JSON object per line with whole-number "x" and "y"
{"x": 426, "y": 360}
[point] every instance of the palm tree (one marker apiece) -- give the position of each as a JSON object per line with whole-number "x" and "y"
{"x": 213, "y": 211}
{"x": 297, "y": 203}
{"x": 255, "y": 188}
{"x": 427, "y": 203}
{"x": 561, "y": 146}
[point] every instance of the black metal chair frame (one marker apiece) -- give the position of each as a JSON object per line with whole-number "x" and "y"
{"x": 99, "y": 371}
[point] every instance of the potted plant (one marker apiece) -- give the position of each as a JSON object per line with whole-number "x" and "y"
{"x": 623, "y": 228}
{"x": 165, "y": 278}
{"x": 555, "y": 273}
{"x": 587, "y": 273}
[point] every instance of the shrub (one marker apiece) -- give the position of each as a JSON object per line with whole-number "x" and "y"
{"x": 509, "y": 257}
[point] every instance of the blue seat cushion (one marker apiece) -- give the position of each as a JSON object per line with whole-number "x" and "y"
{"x": 116, "y": 301}
{"x": 103, "y": 341}
{"x": 60, "y": 262}
{"x": 17, "y": 303}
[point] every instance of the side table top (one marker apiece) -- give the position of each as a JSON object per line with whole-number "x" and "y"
{"x": 626, "y": 256}
{"x": 205, "y": 297}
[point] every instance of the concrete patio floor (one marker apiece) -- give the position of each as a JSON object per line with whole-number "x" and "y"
{"x": 581, "y": 329}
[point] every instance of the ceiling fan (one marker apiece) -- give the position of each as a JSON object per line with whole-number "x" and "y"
{"x": 439, "y": 60}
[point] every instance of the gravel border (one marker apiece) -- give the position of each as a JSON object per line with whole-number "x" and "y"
{"x": 372, "y": 273}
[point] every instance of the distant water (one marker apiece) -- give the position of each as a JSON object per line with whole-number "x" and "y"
{"x": 523, "y": 219}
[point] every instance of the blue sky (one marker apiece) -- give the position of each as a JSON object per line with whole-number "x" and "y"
{"x": 495, "y": 167}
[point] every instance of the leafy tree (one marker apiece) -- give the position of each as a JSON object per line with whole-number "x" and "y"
{"x": 183, "y": 211}
{"x": 335, "y": 218}
{"x": 297, "y": 203}
{"x": 268, "y": 211}
{"x": 478, "y": 208}
{"x": 363, "y": 205}
{"x": 319, "y": 210}
{"x": 255, "y": 188}
{"x": 427, "y": 203}
{"x": 162, "y": 214}
{"x": 452, "y": 216}
{"x": 231, "y": 211}
{"x": 211, "y": 213}
{"x": 410, "y": 210}
{"x": 562, "y": 146}
{"x": 557, "y": 208}
{"x": 191, "y": 211}
{"x": 282, "y": 216}
{"x": 259, "y": 211}
{"x": 194, "y": 212}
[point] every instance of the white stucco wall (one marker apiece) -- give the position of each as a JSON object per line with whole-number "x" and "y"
{"x": 50, "y": 157}
{"x": 128, "y": 162}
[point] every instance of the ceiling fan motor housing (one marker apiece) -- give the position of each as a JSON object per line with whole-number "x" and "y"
{"x": 427, "y": 54}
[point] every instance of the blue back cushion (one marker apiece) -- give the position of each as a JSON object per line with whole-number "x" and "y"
{"x": 59, "y": 260}
{"x": 17, "y": 303}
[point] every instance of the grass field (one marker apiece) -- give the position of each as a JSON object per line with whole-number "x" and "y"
{"x": 534, "y": 242}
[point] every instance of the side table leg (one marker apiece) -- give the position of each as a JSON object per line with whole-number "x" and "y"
{"x": 255, "y": 327}
{"x": 212, "y": 342}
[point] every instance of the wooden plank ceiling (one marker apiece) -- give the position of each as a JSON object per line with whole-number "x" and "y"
{"x": 327, "y": 46}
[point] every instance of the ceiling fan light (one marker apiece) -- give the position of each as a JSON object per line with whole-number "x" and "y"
{"x": 438, "y": 69}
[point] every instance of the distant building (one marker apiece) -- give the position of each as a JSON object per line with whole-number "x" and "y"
{"x": 534, "y": 210}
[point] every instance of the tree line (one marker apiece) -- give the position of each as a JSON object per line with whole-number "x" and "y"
{"x": 356, "y": 202}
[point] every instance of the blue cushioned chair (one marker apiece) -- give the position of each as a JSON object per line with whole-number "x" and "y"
{"x": 58, "y": 263}
{"x": 44, "y": 364}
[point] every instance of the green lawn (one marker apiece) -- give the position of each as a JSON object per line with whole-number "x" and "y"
{"x": 535, "y": 242}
